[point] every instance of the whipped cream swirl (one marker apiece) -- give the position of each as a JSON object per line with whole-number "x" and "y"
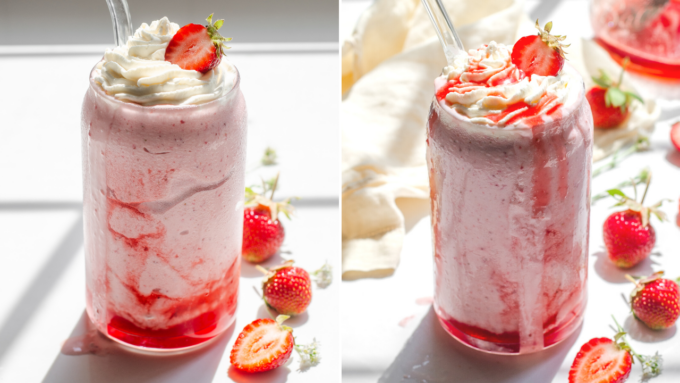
{"x": 484, "y": 83}
{"x": 138, "y": 72}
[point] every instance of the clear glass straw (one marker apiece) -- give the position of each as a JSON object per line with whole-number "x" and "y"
{"x": 122, "y": 23}
{"x": 445, "y": 31}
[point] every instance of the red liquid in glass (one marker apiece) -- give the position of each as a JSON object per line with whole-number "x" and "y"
{"x": 648, "y": 36}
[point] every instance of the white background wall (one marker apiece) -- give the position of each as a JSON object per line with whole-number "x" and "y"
{"x": 246, "y": 21}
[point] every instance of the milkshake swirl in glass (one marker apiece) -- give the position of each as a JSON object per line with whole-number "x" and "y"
{"x": 509, "y": 160}
{"x": 163, "y": 175}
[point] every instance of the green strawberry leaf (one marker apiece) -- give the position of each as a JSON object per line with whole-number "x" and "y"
{"x": 659, "y": 214}
{"x": 615, "y": 97}
{"x": 601, "y": 82}
{"x": 218, "y": 24}
{"x": 616, "y": 192}
{"x": 631, "y": 95}
{"x": 604, "y": 80}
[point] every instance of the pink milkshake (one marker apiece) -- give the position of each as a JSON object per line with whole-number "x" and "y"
{"x": 163, "y": 171}
{"x": 509, "y": 158}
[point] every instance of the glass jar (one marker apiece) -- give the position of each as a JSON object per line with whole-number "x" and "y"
{"x": 510, "y": 210}
{"x": 163, "y": 218}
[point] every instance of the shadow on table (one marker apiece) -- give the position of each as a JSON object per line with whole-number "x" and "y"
{"x": 249, "y": 270}
{"x": 118, "y": 365}
{"x": 673, "y": 156}
{"x": 279, "y": 375}
{"x": 608, "y": 271}
{"x": 638, "y": 331}
{"x": 432, "y": 355}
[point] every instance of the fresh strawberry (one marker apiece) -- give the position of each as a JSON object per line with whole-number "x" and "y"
{"x": 655, "y": 301}
{"x": 605, "y": 116}
{"x": 609, "y": 104}
{"x": 287, "y": 289}
{"x": 263, "y": 233}
{"x": 627, "y": 240}
{"x": 603, "y": 360}
{"x": 542, "y": 54}
{"x": 197, "y": 47}
{"x": 263, "y": 345}
{"x": 675, "y": 135}
{"x": 628, "y": 236}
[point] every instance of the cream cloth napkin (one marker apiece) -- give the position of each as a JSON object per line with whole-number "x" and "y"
{"x": 389, "y": 64}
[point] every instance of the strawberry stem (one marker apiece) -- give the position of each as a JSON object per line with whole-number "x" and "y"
{"x": 276, "y": 181}
{"x": 649, "y": 179}
{"x": 623, "y": 69}
{"x": 641, "y": 144}
{"x": 262, "y": 269}
{"x": 628, "y": 277}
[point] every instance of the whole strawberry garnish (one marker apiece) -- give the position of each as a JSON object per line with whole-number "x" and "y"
{"x": 675, "y": 135}
{"x": 287, "y": 289}
{"x": 263, "y": 345}
{"x": 604, "y": 360}
{"x": 197, "y": 47}
{"x": 263, "y": 233}
{"x": 609, "y": 104}
{"x": 542, "y": 54}
{"x": 655, "y": 301}
{"x": 628, "y": 235}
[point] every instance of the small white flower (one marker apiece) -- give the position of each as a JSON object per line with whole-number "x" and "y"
{"x": 651, "y": 365}
{"x": 309, "y": 355}
{"x": 324, "y": 276}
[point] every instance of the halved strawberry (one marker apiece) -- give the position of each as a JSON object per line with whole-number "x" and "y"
{"x": 263, "y": 345}
{"x": 609, "y": 104}
{"x": 675, "y": 135}
{"x": 542, "y": 54}
{"x": 604, "y": 360}
{"x": 601, "y": 360}
{"x": 197, "y": 47}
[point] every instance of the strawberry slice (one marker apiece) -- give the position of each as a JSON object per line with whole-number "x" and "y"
{"x": 604, "y": 360}
{"x": 263, "y": 345}
{"x": 601, "y": 360}
{"x": 675, "y": 135}
{"x": 542, "y": 54}
{"x": 197, "y": 47}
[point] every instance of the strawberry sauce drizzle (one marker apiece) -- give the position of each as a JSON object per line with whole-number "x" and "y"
{"x": 508, "y": 75}
{"x": 218, "y": 300}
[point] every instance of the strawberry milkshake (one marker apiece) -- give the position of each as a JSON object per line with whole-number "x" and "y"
{"x": 163, "y": 171}
{"x": 509, "y": 156}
